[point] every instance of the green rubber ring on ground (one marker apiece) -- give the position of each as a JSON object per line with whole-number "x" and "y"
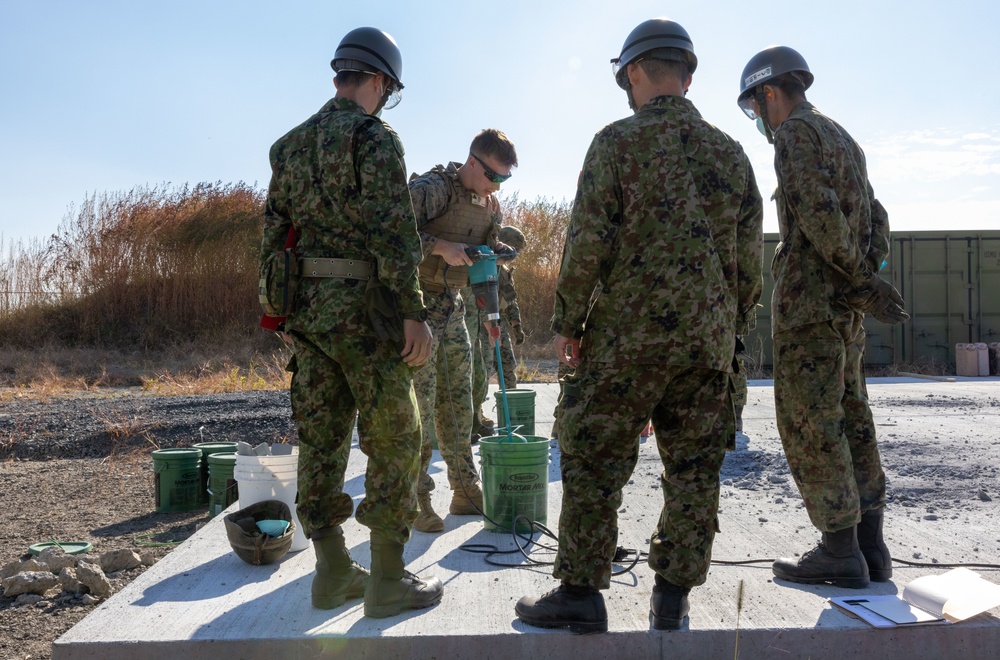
{"x": 69, "y": 547}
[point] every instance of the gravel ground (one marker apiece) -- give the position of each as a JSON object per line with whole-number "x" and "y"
{"x": 78, "y": 467}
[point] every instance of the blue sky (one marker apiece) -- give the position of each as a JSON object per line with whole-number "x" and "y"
{"x": 105, "y": 96}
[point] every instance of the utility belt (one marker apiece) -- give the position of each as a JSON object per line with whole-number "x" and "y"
{"x": 433, "y": 287}
{"x": 345, "y": 268}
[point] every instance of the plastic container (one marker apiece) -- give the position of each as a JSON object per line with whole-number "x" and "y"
{"x": 261, "y": 478}
{"x": 222, "y": 486}
{"x": 522, "y": 411}
{"x": 515, "y": 481}
{"x": 207, "y": 449}
{"x": 177, "y": 478}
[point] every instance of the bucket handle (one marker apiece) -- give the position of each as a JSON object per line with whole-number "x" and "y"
{"x": 228, "y": 488}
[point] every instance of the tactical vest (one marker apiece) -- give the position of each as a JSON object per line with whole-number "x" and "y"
{"x": 468, "y": 220}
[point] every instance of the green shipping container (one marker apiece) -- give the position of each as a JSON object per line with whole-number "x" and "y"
{"x": 950, "y": 281}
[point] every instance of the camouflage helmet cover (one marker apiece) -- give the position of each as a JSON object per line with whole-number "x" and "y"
{"x": 512, "y": 236}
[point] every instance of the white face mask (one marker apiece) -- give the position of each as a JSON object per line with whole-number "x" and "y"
{"x": 761, "y": 127}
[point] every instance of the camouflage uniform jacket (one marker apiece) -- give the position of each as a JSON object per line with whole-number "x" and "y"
{"x": 434, "y": 192}
{"x": 509, "y": 310}
{"x": 834, "y": 233}
{"x": 668, "y": 221}
{"x": 339, "y": 178}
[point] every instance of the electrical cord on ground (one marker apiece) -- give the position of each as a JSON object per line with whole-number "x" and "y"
{"x": 489, "y": 550}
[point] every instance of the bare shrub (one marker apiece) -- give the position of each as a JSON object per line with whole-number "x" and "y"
{"x": 544, "y": 224}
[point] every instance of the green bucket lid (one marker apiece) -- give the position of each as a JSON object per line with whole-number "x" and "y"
{"x": 69, "y": 547}
{"x": 222, "y": 458}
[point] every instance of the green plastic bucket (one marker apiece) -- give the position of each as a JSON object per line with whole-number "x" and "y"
{"x": 177, "y": 479}
{"x": 207, "y": 449}
{"x": 515, "y": 481}
{"x": 222, "y": 487}
{"x": 522, "y": 411}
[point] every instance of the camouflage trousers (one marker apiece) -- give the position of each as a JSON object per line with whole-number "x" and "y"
{"x": 740, "y": 384}
{"x": 604, "y": 409}
{"x": 479, "y": 341}
{"x": 444, "y": 393}
{"x": 336, "y": 378}
{"x": 826, "y": 426}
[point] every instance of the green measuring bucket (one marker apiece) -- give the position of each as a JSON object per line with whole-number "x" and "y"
{"x": 522, "y": 411}
{"x": 222, "y": 486}
{"x": 515, "y": 481}
{"x": 177, "y": 479}
{"x": 207, "y": 449}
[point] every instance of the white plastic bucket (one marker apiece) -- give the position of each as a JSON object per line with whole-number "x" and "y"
{"x": 262, "y": 478}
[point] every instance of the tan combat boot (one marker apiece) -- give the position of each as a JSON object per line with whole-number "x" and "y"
{"x": 338, "y": 578}
{"x": 467, "y": 501}
{"x": 391, "y": 588}
{"x": 428, "y": 520}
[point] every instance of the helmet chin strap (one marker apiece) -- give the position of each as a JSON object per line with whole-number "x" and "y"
{"x": 631, "y": 99}
{"x": 762, "y": 106}
{"x": 386, "y": 93}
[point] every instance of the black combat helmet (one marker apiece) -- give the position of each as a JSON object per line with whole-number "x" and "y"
{"x": 767, "y": 65}
{"x": 370, "y": 50}
{"x": 657, "y": 38}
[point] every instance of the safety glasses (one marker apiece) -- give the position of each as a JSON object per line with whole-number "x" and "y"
{"x": 747, "y": 105}
{"x": 495, "y": 177}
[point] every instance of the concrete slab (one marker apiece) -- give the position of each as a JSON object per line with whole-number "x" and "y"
{"x": 201, "y": 601}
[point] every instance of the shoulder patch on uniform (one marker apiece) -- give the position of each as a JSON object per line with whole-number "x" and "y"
{"x": 397, "y": 144}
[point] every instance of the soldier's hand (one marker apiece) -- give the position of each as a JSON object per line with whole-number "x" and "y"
{"x": 567, "y": 350}
{"x": 452, "y": 253}
{"x": 518, "y": 333}
{"x": 417, "y": 342}
{"x": 504, "y": 251}
{"x": 879, "y": 299}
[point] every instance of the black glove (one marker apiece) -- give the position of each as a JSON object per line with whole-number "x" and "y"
{"x": 504, "y": 251}
{"x": 518, "y": 333}
{"x": 383, "y": 313}
{"x": 879, "y": 299}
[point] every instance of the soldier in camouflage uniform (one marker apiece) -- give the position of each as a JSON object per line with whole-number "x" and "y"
{"x": 834, "y": 238}
{"x": 480, "y": 339}
{"x": 455, "y": 208}
{"x": 339, "y": 180}
{"x": 668, "y": 219}
{"x": 510, "y": 312}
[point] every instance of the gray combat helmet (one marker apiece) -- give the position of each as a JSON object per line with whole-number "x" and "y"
{"x": 767, "y": 65}
{"x": 369, "y": 50}
{"x": 657, "y": 38}
{"x": 512, "y": 236}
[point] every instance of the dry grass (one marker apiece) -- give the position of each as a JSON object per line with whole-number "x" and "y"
{"x": 182, "y": 369}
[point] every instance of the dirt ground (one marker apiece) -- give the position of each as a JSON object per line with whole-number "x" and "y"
{"x": 78, "y": 467}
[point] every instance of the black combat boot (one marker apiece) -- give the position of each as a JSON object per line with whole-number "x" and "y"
{"x": 668, "y": 605}
{"x": 337, "y": 578}
{"x": 391, "y": 588}
{"x": 837, "y": 559}
{"x": 873, "y": 547}
{"x": 581, "y": 609}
